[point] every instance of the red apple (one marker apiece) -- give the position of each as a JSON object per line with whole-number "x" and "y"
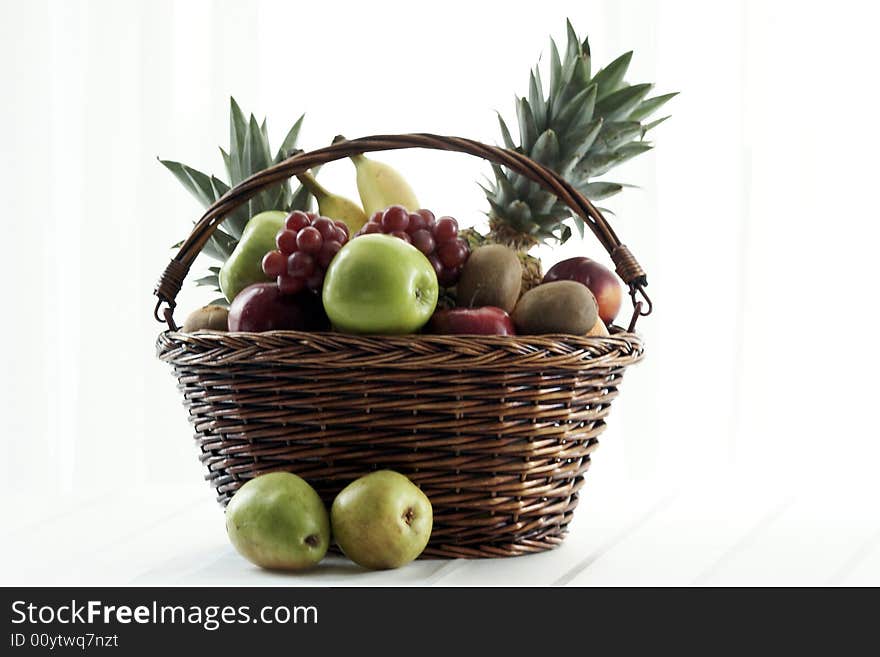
{"x": 262, "y": 307}
{"x": 601, "y": 281}
{"x": 487, "y": 320}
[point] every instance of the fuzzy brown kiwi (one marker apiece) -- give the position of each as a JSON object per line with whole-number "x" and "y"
{"x": 557, "y": 307}
{"x": 212, "y": 318}
{"x": 492, "y": 276}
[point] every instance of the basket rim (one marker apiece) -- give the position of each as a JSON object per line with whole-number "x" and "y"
{"x": 328, "y": 349}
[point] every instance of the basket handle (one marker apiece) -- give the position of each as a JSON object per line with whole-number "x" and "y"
{"x": 627, "y": 267}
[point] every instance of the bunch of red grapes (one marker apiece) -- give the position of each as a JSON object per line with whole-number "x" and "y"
{"x": 437, "y": 238}
{"x": 306, "y": 245}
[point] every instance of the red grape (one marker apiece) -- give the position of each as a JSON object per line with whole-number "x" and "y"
{"x": 306, "y": 245}
{"x": 446, "y": 229}
{"x": 274, "y": 264}
{"x": 286, "y": 241}
{"x": 436, "y": 238}
{"x": 436, "y": 264}
{"x": 429, "y": 218}
{"x": 395, "y": 218}
{"x": 309, "y": 240}
{"x": 300, "y": 264}
{"x": 297, "y": 220}
{"x": 452, "y": 254}
{"x": 326, "y": 227}
{"x": 422, "y": 240}
{"x": 328, "y": 250}
{"x": 416, "y": 222}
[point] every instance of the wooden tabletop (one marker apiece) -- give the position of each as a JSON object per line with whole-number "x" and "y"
{"x": 729, "y": 529}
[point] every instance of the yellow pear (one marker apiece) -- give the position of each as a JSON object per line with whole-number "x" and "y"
{"x": 381, "y": 186}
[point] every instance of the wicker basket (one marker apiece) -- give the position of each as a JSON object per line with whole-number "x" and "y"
{"x": 498, "y": 431}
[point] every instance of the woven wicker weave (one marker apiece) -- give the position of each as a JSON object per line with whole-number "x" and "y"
{"x": 498, "y": 431}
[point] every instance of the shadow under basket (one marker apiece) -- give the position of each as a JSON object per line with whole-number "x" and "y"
{"x": 498, "y": 431}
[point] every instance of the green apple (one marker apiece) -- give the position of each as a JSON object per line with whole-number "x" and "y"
{"x": 278, "y": 521}
{"x": 380, "y": 284}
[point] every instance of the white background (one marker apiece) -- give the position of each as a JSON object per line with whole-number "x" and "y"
{"x": 756, "y": 219}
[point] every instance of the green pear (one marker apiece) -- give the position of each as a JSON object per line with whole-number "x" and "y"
{"x": 245, "y": 265}
{"x": 382, "y": 520}
{"x": 278, "y": 521}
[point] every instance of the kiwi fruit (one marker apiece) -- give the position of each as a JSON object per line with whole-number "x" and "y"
{"x": 492, "y": 276}
{"x": 213, "y": 318}
{"x": 557, "y": 307}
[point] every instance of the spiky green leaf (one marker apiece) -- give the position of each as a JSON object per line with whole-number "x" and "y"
{"x": 528, "y": 131}
{"x": 565, "y": 234}
{"x": 573, "y": 43}
{"x": 580, "y": 74}
{"x": 198, "y": 183}
{"x": 610, "y": 78}
{"x": 289, "y": 143}
{"x": 577, "y": 112}
{"x": 618, "y": 105}
{"x": 211, "y": 280}
{"x": 651, "y": 105}
{"x": 536, "y": 98}
{"x": 546, "y": 150}
{"x": 227, "y": 163}
{"x": 597, "y": 164}
{"x": 505, "y": 192}
{"x": 237, "y": 140}
{"x": 301, "y": 199}
{"x": 615, "y": 134}
{"x": 600, "y": 190}
{"x": 653, "y": 124}
{"x": 219, "y": 187}
{"x": 505, "y": 134}
{"x": 579, "y": 224}
{"x": 555, "y": 71}
{"x": 580, "y": 146}
{"x": 221, "y": 243}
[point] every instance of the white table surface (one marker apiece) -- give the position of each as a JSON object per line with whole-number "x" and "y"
{"x": 728, "y": 529}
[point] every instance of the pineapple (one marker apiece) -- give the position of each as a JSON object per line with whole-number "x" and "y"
{"x": 583, "y": 127}
{"x": 248, "y": 153}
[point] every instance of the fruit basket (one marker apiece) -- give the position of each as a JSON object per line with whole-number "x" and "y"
{"x": 497, "y": 430}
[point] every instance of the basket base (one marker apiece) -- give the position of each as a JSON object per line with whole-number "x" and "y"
{"x": 494, "y": 551}
{"x": 489, "y": 551}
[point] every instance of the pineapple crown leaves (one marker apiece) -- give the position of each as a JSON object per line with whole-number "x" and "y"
{"x": 248, "y": 153}
{"x": 582, "y": 126}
